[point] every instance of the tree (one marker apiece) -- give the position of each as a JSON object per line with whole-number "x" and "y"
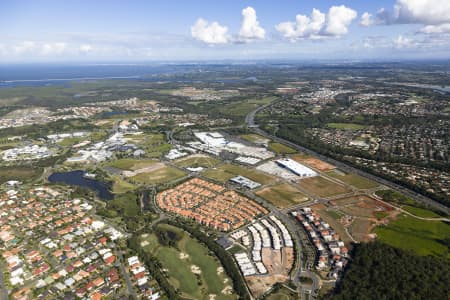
{"x": 378, "y": 271}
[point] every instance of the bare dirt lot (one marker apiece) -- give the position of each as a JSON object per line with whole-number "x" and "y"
{"x": 282, "y": 195}
{"x": 355, "y": 216}
{"x": 154, "y": 167}
{"x": 322, "y": 187}
{"x": 258, "y": 285}
{"x": 278, "y": 264}
{"x": 360, "y": 229}
{"x": 361, "y": 206}
{"x": 318, "y": 164}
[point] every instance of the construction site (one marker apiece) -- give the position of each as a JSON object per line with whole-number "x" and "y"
{"x": 269, "y": 254}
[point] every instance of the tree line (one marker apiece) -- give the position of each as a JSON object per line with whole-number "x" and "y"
{"x": 379, "y": 271}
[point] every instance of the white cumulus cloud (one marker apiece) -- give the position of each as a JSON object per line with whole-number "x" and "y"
{"x": 433, "y": 14}
{"x": 85, "y": 48}
{"x": 403, "y": 42}
{"x": 442, "y": 28}
{"x": 210, "y": 33}
{"x": 303, "y": 27}
{"x": 422, "y": 11}
{"x": 24, "y": 47}
{"x": 318, "y": 25}
{"x": 366, "y": 19}
{"x": 250, "y": 28}
{"x": 338, "y": 20}
{"x": 53, "y": 48}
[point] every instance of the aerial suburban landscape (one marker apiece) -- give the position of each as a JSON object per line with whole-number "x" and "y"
{"x": 226, "y": 176}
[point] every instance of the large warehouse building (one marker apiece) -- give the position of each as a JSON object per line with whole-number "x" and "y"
{"x": 296, "y": 168}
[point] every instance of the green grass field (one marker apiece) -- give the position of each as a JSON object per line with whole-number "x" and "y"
{"x": 354, "y": 180}
{"x": 380, "y": 214}
{"x": 154, "y": 145}
{"x": 420, "y": 212}
{"x": 322, "y": 187}
{"x": 179, "y": 263}
{"x": 283, "y": 294}
{"x": 127, "y": 203}
{"x": 337, "y": 215}
{"x": 197, "y": 161}
{"x": 218, "y": 175}
{"x": 406, "y": 203}
{"x": 282, "y": 195}
{"x": 121, "y": 186}
{"x": 158, "y": 151}
{"x": 23, "y": 174}
{"x": 195, "y": 103}
{"x": 5, "y": 145}
{"x": 163, "y": 175}
{"x": 281, "y": 149}
{"x": 395, "y": 197}
{"x": 348, "y": 126}
{"x": 421, "y": 237}
{"x": 131, "y": 164}
{"x": 224, "y": 172}
{"x": 254, "y": 138}
{"x": 242, "y": 108}
{"x": 67, "y": 142}
{"x": 98, "y": 135}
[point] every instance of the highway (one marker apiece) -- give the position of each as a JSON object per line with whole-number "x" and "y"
{"x": 250, "y": 121}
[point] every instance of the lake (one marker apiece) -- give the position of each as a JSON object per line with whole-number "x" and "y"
{"x": 77, "y": 178}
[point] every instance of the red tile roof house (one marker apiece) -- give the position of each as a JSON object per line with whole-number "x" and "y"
{"x": 80, "y": 292}
{"x": 90, "y": 286}
{"x": 70, "y": 269}
{"x": 113, "y": 277}
{"x": 110, "y": 260}
{"x": 98, "y": 282}
{"x": 96, "y": 296}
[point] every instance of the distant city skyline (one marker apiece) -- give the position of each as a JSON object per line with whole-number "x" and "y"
{"x": 132, "y": 31}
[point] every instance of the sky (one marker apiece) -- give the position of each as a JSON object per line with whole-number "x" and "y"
{"x": 169, "y": 30}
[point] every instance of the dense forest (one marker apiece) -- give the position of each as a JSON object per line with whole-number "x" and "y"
{"x": 379, "y": 271}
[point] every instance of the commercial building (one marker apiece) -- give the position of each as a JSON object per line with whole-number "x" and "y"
{"x": 245, "y": 182}
{"x": 296, "y": 168}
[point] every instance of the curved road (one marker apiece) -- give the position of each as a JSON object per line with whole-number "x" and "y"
{"x": 250, "y": 121}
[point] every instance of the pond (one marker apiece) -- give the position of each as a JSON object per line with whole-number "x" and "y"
{"x": 77, "y": 178}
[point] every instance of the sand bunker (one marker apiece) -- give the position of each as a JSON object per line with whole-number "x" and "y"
{"x": 228, "y": 290}
{"x": 152, "y": 168}
{"x": 195, "y": 269}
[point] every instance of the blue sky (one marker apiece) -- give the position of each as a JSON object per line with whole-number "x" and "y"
{"x": 111, "y": 30}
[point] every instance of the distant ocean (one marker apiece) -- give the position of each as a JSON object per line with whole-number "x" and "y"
{"x": 51, "y": 74}
{"x": 41, "y": 75}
